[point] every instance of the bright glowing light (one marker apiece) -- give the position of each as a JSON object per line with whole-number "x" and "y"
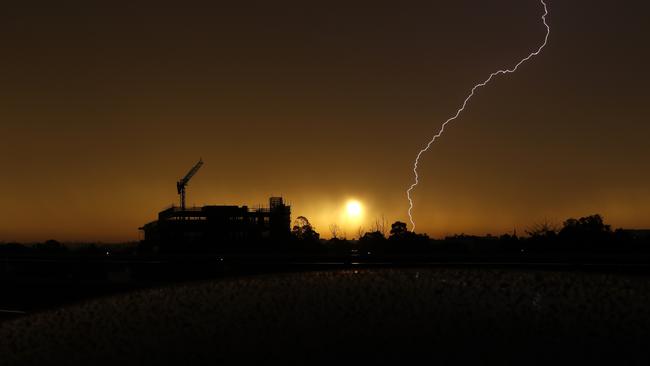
{"x": 354, "y": 209}
{"x": 477, "y": 86}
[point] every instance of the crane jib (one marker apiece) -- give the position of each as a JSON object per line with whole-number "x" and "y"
{"x": 180, "y": 185}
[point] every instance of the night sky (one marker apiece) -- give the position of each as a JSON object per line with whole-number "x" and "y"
{"x": 104, "y": 106}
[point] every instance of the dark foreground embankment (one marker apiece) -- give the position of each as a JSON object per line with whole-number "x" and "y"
{"x": 32, "y": 284}
{"x": 386, "y": 315}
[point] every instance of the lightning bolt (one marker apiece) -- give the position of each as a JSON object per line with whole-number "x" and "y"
{"x": 462, "y": 108}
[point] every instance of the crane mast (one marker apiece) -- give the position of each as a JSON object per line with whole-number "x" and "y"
{"x": 181, "y": 185}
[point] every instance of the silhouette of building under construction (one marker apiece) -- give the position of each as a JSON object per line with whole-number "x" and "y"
{"x": 219, "y": 224}
{"x": 209, "y": 227}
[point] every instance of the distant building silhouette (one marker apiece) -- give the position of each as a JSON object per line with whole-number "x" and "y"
{"x": 215, "y": 225}
{"x": 212, "y": 227}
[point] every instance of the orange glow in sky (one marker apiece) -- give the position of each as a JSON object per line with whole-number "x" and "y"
{"x": 104, "y": 107}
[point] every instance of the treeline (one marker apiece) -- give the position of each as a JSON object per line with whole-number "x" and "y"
{"x": 586, "y": 237}
{"x": 54, "y": 248}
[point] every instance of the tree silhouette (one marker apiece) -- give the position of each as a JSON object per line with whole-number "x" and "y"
{"x": 542, "y": 229}
{"x": 399, "y": 232}
{"x": 379, "y": 225}
{"x": 398, "y": 229}
{"x": 588, "y": 230}
{"x": 304, "y": 231}
{"x": 586, "y": 225}
{"x": 335, "y": 231}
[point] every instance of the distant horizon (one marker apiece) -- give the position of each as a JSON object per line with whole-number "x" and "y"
{"x": 325, "y": 235}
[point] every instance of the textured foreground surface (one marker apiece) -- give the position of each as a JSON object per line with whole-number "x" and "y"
{"x": 389, "y": 315}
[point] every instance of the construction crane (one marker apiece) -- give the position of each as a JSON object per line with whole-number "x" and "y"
{"x": 182, "y": 184}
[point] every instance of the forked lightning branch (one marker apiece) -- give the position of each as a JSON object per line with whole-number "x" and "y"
{"x": 462, "y": 107}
